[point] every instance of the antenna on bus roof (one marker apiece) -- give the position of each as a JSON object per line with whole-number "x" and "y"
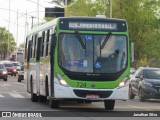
{"x": 101, "y": 16}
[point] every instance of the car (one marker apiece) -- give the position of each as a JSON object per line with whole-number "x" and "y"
{"x": 21, "y": 73}
{"x": 145, "y": 84}
{"x": 17, "y": 65}
{"x": 11, "y": 69}
{"x": 3, "y": 72}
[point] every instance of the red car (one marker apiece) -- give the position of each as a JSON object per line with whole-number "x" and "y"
{"x": 11, "y": 69}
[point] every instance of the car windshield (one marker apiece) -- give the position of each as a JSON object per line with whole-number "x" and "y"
{"x": 8, "y": 65}
{"x": 93, "y": 53}
{"x": 16, "y": 64}
{"x": 152, "y": 74}
{"x": 1, "y": 66}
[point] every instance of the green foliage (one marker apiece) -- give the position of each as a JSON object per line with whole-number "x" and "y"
{"x": 143, "y": 17}
{"x": 4, "y": 41}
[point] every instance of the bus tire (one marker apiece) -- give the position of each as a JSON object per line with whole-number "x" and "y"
{"x": 53, "y": 103}
{"x": 109, "y": 104}
{"x": 34, "y": 97}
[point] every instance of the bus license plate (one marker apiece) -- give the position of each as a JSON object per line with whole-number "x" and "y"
{"x": 92, "y": 97}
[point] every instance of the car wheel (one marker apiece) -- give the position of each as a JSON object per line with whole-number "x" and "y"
{"x": 131, "y": 95}
{"x": 19, "y": 79}
{"x": 5, "y": 79}
{"x": 141, "y": 97}
{"x": 109, "y": 104}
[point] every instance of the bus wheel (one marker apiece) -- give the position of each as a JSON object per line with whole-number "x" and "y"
{"x": 109, "y": 104}
{"x": 34, "y": 97}
{"x": 53, "y": 103}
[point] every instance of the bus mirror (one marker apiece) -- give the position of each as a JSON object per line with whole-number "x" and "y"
{"x": 132, "y": 52}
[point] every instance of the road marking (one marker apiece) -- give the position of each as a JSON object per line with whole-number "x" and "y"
{"x": 1, "y": 95}
{"x": 7, "y": 85}
{"x": 17, "y": 96}
{"x": 132, "y": 106}
{"x": 19, "y": 83}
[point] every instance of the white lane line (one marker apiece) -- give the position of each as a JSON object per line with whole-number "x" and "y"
{"x": 17, "y": 96}
{"x": 7, "y": 85}
{"x": 132, "y": 106}
{"x": 1, "y": 95}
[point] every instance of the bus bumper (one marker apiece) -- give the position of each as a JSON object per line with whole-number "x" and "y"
{"x": 64, "y": 92}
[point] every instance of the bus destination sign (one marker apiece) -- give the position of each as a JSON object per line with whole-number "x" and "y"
{"x": 93, "y": 26}
{"x": 107, "y": 25}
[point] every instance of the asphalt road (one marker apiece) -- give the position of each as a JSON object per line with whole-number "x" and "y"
{"x": 13, "y": 97}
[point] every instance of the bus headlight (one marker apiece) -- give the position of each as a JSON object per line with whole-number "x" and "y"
{"x": 123, "y": 82}
{"x": 61, "y": 80}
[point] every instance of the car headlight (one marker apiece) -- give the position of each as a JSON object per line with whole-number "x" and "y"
{"x": 123, "y": 82}
{"x": 4, "y": 72}
{"x": 61, "y": 80}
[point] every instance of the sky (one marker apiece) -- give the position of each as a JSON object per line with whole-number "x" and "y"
{"x": 23, "y": 7}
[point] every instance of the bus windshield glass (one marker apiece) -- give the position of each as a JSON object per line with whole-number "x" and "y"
{"x": 102, "y": 53}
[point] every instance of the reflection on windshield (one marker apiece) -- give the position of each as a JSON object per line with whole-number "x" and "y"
{"x": 111, "y": 58}
{"x": 152, "y": 74}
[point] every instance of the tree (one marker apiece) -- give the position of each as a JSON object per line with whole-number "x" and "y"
{"x": 4, "y": 42}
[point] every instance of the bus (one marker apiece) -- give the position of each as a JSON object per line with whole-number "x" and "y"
{"x": 84, "y": 59}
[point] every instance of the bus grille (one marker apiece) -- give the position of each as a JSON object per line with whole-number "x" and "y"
{"x": 83, "y": 93}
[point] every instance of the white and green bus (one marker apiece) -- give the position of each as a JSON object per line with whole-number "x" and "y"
{"x": 85, "y": 59}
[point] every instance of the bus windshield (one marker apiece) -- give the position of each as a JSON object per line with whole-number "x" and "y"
{"x": 100, "y": 55}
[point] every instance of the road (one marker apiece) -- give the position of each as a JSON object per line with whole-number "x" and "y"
{"x": 13, "y": 97}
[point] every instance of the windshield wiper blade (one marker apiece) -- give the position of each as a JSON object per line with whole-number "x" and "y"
{"x": 106, "y": 39}
{"x": 80, "y": 39}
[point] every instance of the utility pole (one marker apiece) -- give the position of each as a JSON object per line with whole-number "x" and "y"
{"x": 65, "y": 2}
{"x": 26, "y": 27}
{"x": 110, "y": 8}
{"x": 17, "y": 35}
{"x": 38, "y": 11}
{"x": 32, "y": 21}
{"x": 9, "y": 29}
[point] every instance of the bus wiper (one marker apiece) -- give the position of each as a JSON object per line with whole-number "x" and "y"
{"x": 80, "y": 40}
{"x": 106, "y": 39}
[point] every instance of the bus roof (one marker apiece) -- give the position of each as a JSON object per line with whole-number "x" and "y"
{"x": 81, "y": 18}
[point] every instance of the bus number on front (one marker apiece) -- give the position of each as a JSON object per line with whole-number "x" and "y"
{"x": 81, "y": 84}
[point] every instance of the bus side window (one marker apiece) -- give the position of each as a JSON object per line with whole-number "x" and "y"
{"x": 26, "y": 45}
{"x": 38, "y": 48}
{"x": 42, "y": 44}
{"x": 31, "y": 47}
{"x": 47, "y": 42}
{"x": 34, "y": 47}
{"x": 29, "y": 51}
